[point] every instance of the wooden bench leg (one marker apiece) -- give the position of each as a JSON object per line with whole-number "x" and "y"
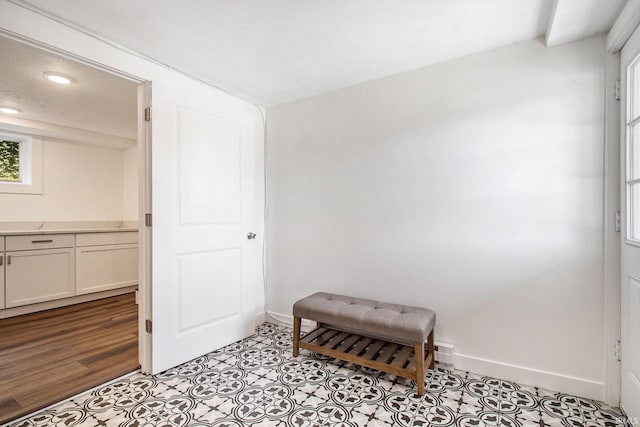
{"x": 431, "y": 349}
{"x": 296, "y": 336}
{"x": 419, "y": 355}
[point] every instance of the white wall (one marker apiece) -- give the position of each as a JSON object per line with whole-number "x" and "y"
{"x": 472, "y": 187}
{"x": 130, "y": 185}
{"x": 81, "y": 183}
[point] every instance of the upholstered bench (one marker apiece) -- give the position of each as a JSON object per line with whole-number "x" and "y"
{"x": 387, "y": 337}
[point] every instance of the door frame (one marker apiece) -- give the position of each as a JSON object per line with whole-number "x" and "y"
{"x": 629, "y": 245}
{"x": 611, "y": 233}
{"x": 144, "y": 186}
{"x": 615, "y": 190}
{"x": 145, "y": 246}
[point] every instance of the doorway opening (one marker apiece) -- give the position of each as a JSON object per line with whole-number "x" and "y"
{"x": 72, "y": 251}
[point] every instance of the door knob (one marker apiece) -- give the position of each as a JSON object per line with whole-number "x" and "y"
{"x": 251, "y": 235}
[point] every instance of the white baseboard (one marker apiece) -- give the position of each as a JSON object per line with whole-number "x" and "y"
{"x": 533, "y": 377}
{"x": 527, "y": 376}
{"x": 259, "y": 318}
{"x": 48, "y": 305}
{"x": 287, "y": 320}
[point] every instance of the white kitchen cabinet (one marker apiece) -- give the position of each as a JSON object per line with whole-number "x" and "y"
{"x": 106, "y": 261}
{"x": 38, "y": 275}
{"x": 37, "y": 268}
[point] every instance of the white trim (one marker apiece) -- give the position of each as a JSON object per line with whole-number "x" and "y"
{"x": 287, "y": 320}
{"x": 533, "y": 377}
{"x": 634, "y": 121}
{"x": 550, "y": 24}
{"x": 65, "y": 134}
{"x": 624, "y": 26}
{"x": 47, "y": 305}
{"x": 145, "y": 256}
{"x": 632, "y": 242}
{"x": 628, "y": 75}
{"x": 611, "y": 238}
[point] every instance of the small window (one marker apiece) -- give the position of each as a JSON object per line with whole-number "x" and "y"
{"x": 9, "y": 161}
{"x": 20, "y": 164}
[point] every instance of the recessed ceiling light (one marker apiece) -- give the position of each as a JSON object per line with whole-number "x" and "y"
{"x": 58, "y": 78}
{"x": 9, "y": 110}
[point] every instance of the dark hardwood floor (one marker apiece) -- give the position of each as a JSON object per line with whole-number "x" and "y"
{"x": 52, "y": 355}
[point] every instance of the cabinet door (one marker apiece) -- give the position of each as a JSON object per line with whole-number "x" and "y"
{"x": 2, "y": 261}
{"x": 2, "y": 305}
{"x": 99, "y": 268}
{"x": 36, "y": 276}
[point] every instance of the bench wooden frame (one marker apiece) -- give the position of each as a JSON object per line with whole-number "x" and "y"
{"x": 397, "y": 359}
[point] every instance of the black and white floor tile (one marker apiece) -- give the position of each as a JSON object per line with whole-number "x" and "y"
{"x": 256, "y": 382}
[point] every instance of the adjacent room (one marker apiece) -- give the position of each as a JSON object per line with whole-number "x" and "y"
{"x": 68, "y": 229}
{"x": 322, "y": 213}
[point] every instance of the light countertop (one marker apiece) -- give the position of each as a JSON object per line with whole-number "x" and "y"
{"x": 61, "y": 227}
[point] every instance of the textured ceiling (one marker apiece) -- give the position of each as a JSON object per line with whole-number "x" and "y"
{"x": 96, "y": 101}
{"x": 274, "y": 51}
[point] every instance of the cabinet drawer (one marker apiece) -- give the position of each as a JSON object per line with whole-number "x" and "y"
{"x": 97, "y": 239}
{"x": 39, "y": 241}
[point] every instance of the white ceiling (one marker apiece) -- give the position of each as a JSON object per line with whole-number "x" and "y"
{"x": 96, "y": 101}
{"x": 274, "y": 51}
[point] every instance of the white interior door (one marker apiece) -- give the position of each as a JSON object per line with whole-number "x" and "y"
{"x": 630, "y": 166}
{"x": 203, "y": 188}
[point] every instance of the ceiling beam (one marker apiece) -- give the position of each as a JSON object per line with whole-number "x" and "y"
{"x": 65, "y": 134}
{"x": 624, "y": 26}
{"x": 573, "y": 20}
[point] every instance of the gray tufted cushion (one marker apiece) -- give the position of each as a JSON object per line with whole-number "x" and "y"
{"x": 391, "y": 322}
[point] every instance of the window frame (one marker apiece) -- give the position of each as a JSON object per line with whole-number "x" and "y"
{"x": 31, "y": 164}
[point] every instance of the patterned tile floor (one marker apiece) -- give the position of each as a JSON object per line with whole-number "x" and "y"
{"x": 256, "y": 382}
